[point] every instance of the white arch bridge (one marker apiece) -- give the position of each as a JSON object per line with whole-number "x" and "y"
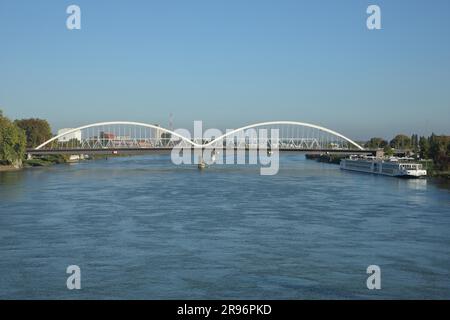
{"x": 134, "y": 137}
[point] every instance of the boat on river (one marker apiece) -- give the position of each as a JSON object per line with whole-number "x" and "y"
{"x": 393, "y": 167}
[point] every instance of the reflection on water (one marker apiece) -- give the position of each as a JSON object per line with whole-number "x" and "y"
{"x": 11, "y": 184}
{"x": 140, "y": 227}
{"x": 417, "y": 184}
{"x": 442, "y": 183}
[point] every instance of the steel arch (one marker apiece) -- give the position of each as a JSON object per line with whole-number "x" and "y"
{"x": 98, "y": 124}
{"x": 304, "y": 124}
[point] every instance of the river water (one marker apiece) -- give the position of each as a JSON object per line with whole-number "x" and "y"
{"x": 143, "y": 228}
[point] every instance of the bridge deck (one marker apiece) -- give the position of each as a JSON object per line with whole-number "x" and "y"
{"x": 131, "y": 151}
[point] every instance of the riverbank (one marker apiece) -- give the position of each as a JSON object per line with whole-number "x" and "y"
{"x": 45, "y": 161}
{"x": 440, "y": 174}
{"x": 4, "y": 168}
{"x": 336, "y": 159}
{"x": 51, "y": 160}
{"x": 433, "y": 172}
{"x": 37, "y": 162}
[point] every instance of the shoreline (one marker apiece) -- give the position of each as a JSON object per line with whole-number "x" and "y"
{"x": 331, "y": 159}
{"x": 42, "y": 163}
{"x": 8, "y": 168}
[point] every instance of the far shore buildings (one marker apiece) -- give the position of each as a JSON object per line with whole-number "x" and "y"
{"x": 144, "y": 137}
{"x": 159, "y": 132}
{"x": 74, "y": 135}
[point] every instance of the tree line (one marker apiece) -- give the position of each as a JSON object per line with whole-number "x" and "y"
{"x": 434, "y": 147}
{"x": 16, "y": 136}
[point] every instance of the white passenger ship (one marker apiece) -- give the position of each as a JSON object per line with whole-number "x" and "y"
{"x": 394, "y": 167}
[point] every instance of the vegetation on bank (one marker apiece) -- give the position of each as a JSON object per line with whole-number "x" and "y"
{"x": 435, "y": 148}
{"x": 433, "y": 170}
{"x": 434, "y": 151}
{"x": 400, "y": 141}
{"x": 12, "y": 143}
{"x": 36, "y": 131}
{"x": 45, "y": 161}
{"x": 16, "y": 136}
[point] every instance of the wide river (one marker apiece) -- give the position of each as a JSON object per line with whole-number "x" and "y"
{"x": 143, "y": 228}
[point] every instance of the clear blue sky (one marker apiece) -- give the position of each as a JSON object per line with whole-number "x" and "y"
{"x": 229, "y": 63}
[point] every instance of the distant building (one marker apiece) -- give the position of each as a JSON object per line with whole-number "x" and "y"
{"x": 108, "y": 136}
{"x": 74, "y": 135}
{"x": 158, "y": 133}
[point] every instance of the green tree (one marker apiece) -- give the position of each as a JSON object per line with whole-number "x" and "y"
{"x": 37, "y": 131}
{"x": 165, "y": 138}
{"x": 12, "y": 142}
{"x": 424, "y": 147}
{"x": 388, "y": 150}
{"x": 375, "y": 143}
{"x": 72, "y": 143}
{"x": 401, "y": 141}
{"x": 415, "y": 142}
{"x": 439, "y": 151}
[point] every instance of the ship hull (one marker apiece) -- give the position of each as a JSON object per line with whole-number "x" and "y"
{"x": 379, "y": 167}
